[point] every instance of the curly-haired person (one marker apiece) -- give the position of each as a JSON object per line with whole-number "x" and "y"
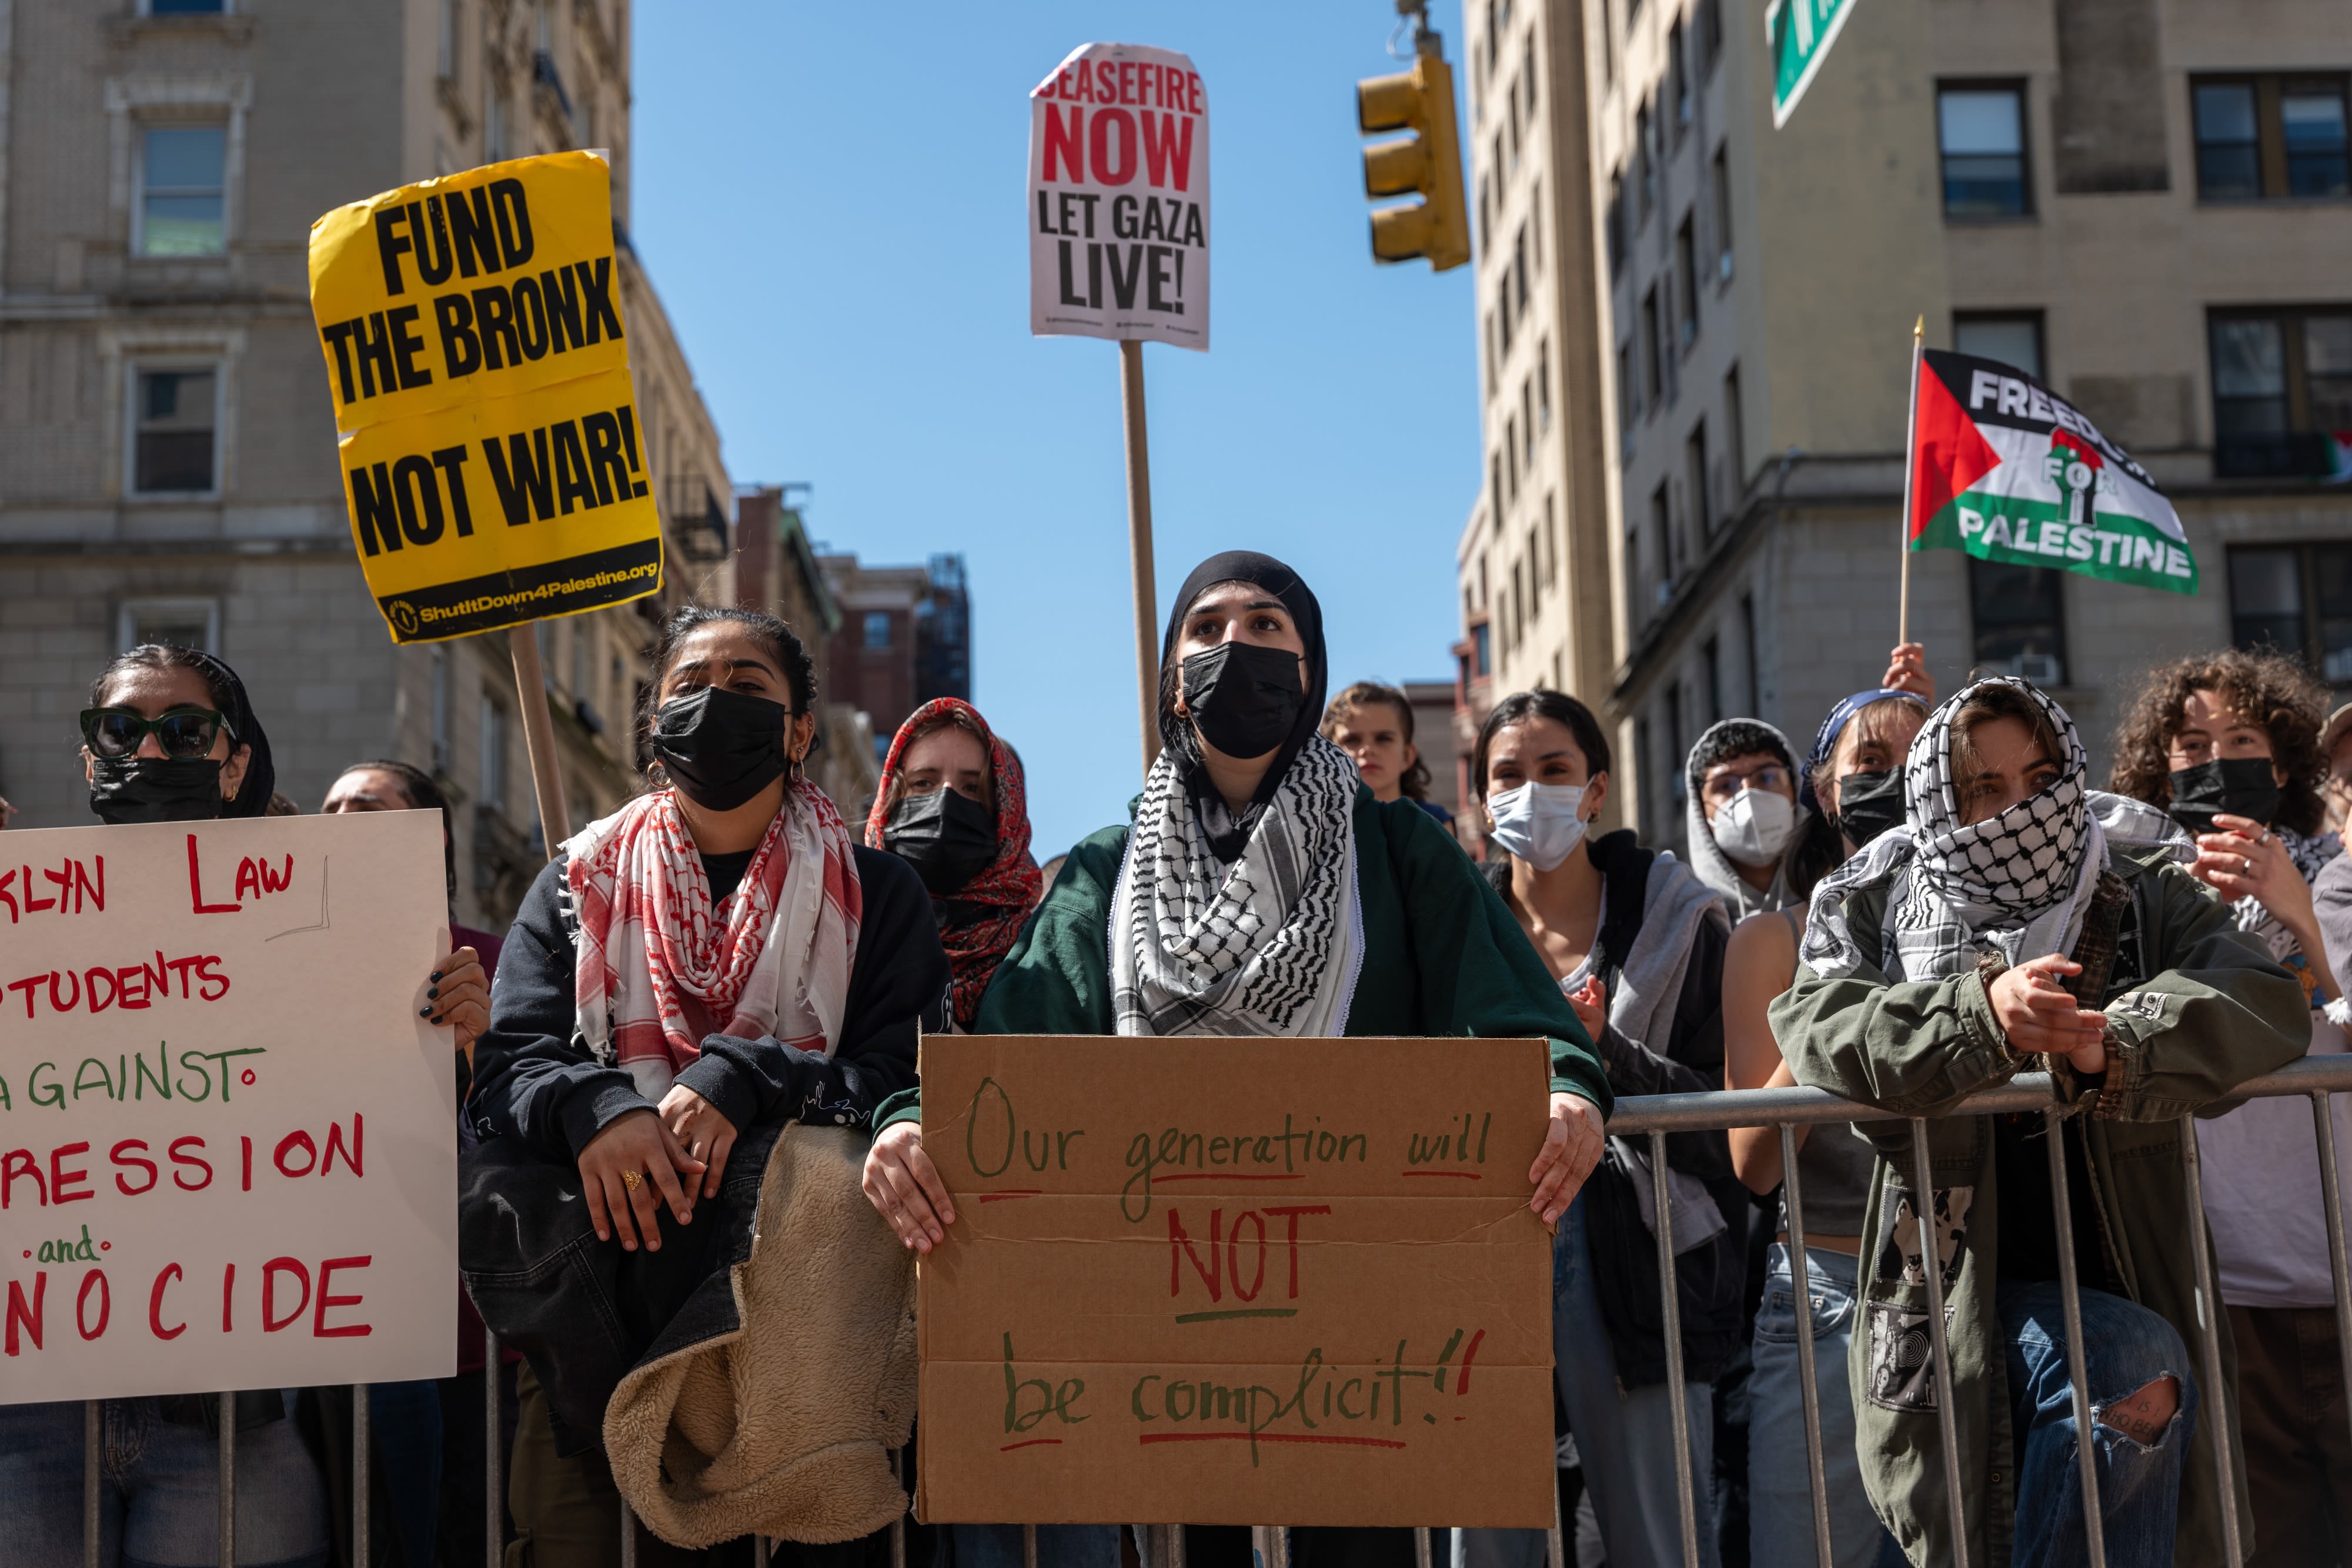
{"x": 2230, "y": 743}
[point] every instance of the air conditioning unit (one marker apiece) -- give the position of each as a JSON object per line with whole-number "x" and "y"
{"x": 2036, "y": 669}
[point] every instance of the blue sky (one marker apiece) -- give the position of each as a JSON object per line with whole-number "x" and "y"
{"x": 830, "y": 200}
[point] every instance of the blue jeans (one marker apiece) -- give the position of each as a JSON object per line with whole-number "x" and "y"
{"x": 2126, "y": 1348}
{"x": 159, "y": 1492}
{"x": 1058, "y": 1545}
{"x": 1780, "y": 1480}
{"x": 1624, "y": 1438}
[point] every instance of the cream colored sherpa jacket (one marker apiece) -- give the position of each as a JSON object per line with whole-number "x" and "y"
{"x": 783, "y": 1428}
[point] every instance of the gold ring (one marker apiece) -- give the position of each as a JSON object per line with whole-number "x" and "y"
{"x": 631, "y": 1179}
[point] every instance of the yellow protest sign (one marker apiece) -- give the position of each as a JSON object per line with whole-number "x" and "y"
{"x": 493, "y": 462}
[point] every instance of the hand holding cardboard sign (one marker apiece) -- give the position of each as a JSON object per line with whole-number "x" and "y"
{"x": 903, "y": 1184}
{"x": 457, "y": 994}
{"x": 1572, "y": 1148}
{"x": 620, "y": 1170}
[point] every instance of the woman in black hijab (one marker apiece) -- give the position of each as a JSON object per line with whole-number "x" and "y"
{"x": 1262, "y": 890}
{"x": 169, "y": 736}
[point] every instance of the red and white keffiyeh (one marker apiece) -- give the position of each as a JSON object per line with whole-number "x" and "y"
{"x": 659, "y": 968}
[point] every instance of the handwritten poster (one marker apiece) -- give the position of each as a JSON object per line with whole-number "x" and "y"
{"x": 1256, "y": 1282}
{"x": 228, "y": 1142}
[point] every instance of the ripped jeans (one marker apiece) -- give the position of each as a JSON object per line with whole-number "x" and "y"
{"x": 2126, "y": 1348}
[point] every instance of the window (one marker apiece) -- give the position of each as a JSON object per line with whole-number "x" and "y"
{"x": 1708, "y": 14}
{"x": 1513, "y": 124}
{"x": 1485, "y": 248}
{"x": 1528, "y": 421}
{"x": 1646, "y": 169}
{"x": 1642, "y": 761}
{"x": 1616, "y": 225}
{"x": 1748, "y": 643}
{"x": 2282, "y": 388}
{"x": 180, "y": 186}
{"x": 1695, "y": 476}
{"x": 1722, "y": 181}
{"x": 494, "y": 119}
{"x": 1550, "y": 540}
{"x": 1981, "y": 130}
{"x": 494, "y": 755}
{"x": 877, "y": 629}
{"x": 172, "y": 446}
{"x": 1535, "y": 570}
{"x": 1494, "y": 486}
{"x": 1543, "y": 382}
{"x": 2270, "y": 136}
{"x": 445, "y": 43}
{"x": 1712, "y": 655}
{"x": 440, "y": 708}
{"x": 1662, "y": 542}
{"x": 1494, "y": 354}
{"x": 1511, "y": 451}
{"x": 2020, "y": 621}
{"x": 1527, "y": 75}
{"x": 1735, "y": 450}
{"x": 1629, "y": 397}
{"x": 1519, "y": 273}
{"x": 1678, "y": 77}
{"x": 1481, "y": 651}
{"x": 1678, "y": 787}
{"x": 185, "y": 7}
{"x": 175, "y": 623}
{"x": 2012, "y": 339}
{"x": 1653, "y": 359}
{"x": 1685, "y": 284}
{"x": 2296, "y": 599}
{"x": 1534, "y": 202}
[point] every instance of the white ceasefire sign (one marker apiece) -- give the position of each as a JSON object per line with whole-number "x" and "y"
{"x": 228, "y": 1142}
{"x": 1119, "y": 198}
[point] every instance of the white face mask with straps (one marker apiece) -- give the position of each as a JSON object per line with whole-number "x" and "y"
{"x": 1541, "y": 823}
{"x": 1753, "y": 827}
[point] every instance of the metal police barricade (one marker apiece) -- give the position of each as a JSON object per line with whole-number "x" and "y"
{"x": 2318, "y": 1078}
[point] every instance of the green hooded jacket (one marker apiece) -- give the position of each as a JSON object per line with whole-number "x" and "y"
{"x": 1441, "y": 955}
{"x": 2202, "y": 1010}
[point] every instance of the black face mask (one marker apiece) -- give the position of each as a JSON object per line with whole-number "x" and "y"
{"x": 948, "y": 838}
{"x": 154, "y": 789}
{"x": 720, "y": 748}
{"x": 1243, "y": 698}
{"x": 2241, "y": 786}
{"x": 1869, "y": 804}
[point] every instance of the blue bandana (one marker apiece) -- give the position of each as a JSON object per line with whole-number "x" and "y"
{"x": 1826, "y": 738}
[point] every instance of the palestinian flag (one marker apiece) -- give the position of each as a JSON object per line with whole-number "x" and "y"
{"x": 2006, "y": 470}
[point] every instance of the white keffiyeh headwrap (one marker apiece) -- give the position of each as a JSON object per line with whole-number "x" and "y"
{"x": 2016, "y": 882}
{"x": 1267, "y": 946}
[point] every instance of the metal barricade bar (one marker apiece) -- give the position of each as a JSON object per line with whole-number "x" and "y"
{"x": 494, "y": 1522}
{"x": 2331, "y": 1194}
{"x": 1931, "y": 1265}
{"x": 2053, "y": 1128}
{"x": 224, "y": 1505}
{"x": 1686, "y": 1505}
{"x": 1801, "y": 1267}
{"x": 2208, "y": 1314}
{"x": 93, "y": 1421}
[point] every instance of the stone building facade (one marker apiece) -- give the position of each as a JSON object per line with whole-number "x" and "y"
{"x": 2142, "y": 203}
{"x": 167, "y": 445}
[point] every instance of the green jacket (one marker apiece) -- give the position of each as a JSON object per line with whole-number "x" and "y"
{"x": 1441, "y": 955}
{"x": 2206, "y": 1010}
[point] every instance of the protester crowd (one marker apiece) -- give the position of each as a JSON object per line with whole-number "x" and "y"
{"x": 1929, "y": 901}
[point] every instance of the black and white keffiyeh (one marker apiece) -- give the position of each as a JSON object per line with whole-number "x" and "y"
{"x": 1267, "y": 945}
{"x": 2016, "y": 882}
{"x": 2310, "y": 853}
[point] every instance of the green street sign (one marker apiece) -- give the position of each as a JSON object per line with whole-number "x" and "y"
{"x": 1799, "y": 33}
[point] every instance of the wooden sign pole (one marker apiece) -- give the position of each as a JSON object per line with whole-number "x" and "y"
{"x": 539, "y": 734}
{"x": 1138, "y": 544}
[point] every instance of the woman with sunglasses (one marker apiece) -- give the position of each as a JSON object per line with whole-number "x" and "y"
{"x": 169, "y": 736}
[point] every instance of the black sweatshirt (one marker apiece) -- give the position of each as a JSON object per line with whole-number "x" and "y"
{"x": 537, "y": 1082}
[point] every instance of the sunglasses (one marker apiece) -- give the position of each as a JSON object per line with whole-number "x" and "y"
{"x": 182, "y": 733}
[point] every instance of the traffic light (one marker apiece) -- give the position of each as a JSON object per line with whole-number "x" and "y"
{"x": 1428, "y": 163}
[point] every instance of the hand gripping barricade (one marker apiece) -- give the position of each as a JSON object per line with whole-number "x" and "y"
{"x": 2318, "y": 1079}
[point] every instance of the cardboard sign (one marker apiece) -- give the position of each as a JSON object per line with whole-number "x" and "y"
{"x": 493, "y": 462}
{"x": 1119, "y": 198}
{"x": 228, "y": 1145}
{"x": 1246, "y": 1282}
